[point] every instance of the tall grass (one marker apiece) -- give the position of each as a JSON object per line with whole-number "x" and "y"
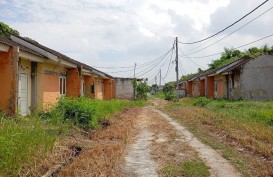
{"x": 88, "y": 113}
{"x": 21, "y": 141}
{"x": 24, "y": 140}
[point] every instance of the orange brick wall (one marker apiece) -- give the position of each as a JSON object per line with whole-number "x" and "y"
{"x": 51, "y": 91}
{"x": 73, "y": 81}
{"x": 108, "y": 89}
{"x": 88, "y": 81}
{"x": 202, "y": 87}
{"x": 210, "y": 87}
{"x": 196, "y": 89}
{"x": 189, "y": 88}
{"x": 8, "y": 80}
{"x": 220, "y": 86}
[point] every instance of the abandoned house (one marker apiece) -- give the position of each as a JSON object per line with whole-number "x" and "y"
{"x": 34, "y": 77}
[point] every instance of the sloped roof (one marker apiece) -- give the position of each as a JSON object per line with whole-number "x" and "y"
{"x": 222, "y": 69}
{"x": 54, "y": 52}
{"x": 9, "y": 42}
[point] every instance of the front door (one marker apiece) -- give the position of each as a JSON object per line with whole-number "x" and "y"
{"x": 23, "y": 94}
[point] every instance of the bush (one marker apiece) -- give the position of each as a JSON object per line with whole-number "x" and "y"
{"x": 201, "y": 101}
{"x": 168, "y": 90}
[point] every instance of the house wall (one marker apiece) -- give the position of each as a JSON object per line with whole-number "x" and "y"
{"x": 235, "y": 85}
{"x": 195, "y": 88}
{"x": 89, "y": 81}
{"x": 99, "y": 88}
{"x": 49, "y": 80}
{"x": 220, "y": 86}
{"x": 73, "y": 81}
{"x": 9, "y": 80}
{"x": 210, "y": 87}
{"x": 257, "y": 79}
{"x": 108, "y": 89}
{"x": 202, "y": 87}
{"x": 124, "y": 89}
{"x": 189, "y": 88}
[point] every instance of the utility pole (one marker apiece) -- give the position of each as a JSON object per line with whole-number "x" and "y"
{"x": 160, "y": 78}
{"x": 176, "y": 69}
{"x": 155, "y": 84}
{"x": 135, "y": 81}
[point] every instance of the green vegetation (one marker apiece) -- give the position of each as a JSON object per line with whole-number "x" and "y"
{"x": 141, "y": 89}
{"x": 188, "y": 168}
{"x": 24, "y": 140}
{"x": 240, "y": 130}
{"x": 246, "y": 111}
{"x": 5, "y": 30}
{"x": 168, "y": 91}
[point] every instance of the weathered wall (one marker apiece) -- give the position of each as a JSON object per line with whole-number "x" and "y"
{"x": 89, "y": 81}
{"x": 99, "y": 88}
{"x": 210, "y": 87}
{"x": 202, "y": 87}
{"x": 195, "y": 88}
{"x": 108, "y": 89}
{"x": 124, "y": 89}
{"x": 73, "y": 81}
{"x": 220, "y": 86}
{"x": 189, "y": 88}
{"x": 257, "y": 79}
{"x": 8, "y": 80}
{"x": 48, "y": 84}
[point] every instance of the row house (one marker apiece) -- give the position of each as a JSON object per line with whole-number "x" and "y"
{"x": 246, "y": 78}
{"x": 34, "y": 77}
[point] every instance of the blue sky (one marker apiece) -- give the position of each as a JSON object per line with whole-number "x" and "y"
{"x": 122, "y": 32}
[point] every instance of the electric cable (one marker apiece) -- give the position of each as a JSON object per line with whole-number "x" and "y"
{"x": 233, "y": 48}
{"x": 227, "y": 26}
{"x": 197, "y": 51}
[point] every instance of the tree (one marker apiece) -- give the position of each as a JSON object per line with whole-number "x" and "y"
{"x": 168, "y": 90}
{"x": 5, "y": 30}
{"x": 141, "y": 89}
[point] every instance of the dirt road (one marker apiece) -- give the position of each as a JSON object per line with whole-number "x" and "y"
{"x": 144, "y": 142}
{"x": 161, "y": 146}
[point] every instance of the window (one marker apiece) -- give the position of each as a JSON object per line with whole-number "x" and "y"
{"x": 62, "y": 86}
{"x": 92, "y": 89}
{"x": 215, "y": 86}
{"x": 83, "y": 88}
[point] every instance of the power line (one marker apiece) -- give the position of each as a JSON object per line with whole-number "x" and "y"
{"x": 138, "y": 66}
{"x": 227, "y": 26}
{"x": 190, "y": 59}
{"x": 197, "y": 51}
{"x": 233, "y": 48}
{"x": 153, "y": 66}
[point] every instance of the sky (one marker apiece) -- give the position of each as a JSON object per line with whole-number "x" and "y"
{"x": 120, "y": 33}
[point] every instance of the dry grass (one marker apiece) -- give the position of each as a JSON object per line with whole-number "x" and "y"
{"x": 106, "y": 156}
{"x": 248, "y": 145}
{"x": 169, "y": 151}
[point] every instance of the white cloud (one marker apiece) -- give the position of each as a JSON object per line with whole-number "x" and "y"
{"x": 121, "y": 32}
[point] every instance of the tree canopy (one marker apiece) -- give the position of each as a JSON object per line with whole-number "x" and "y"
{"x": 5, "y": 30}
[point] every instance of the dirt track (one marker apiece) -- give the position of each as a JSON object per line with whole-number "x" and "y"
{"x": 160, "y": 141}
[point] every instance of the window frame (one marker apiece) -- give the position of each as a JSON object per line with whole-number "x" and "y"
{"x": 62, "y": 86}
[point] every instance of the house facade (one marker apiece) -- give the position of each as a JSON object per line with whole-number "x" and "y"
{"x": 34, "y": 77}
{"x": 246, "y": 78}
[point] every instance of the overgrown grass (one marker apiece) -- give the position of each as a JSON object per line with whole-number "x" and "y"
{"x": 246, "y": 111}
{"x": 241, "y": 130}
{"x": 23, "y": 140}
{"x": 88, "y": 113}
{"x": 188, "y": 168}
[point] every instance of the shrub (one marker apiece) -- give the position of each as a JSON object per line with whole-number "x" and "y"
{"x": 201, "y": 101}
{"x": 168, "y": 90}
